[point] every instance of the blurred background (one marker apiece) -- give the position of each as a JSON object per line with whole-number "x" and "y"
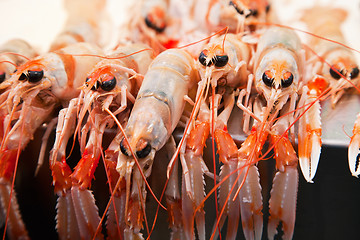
{"x": 39, "y": 21}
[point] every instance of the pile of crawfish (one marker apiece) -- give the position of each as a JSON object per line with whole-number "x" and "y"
{"x": 179, "y": 79}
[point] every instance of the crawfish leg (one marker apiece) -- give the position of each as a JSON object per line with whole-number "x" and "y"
{"x": 84, "y": 203}
{"x": 309, "y": 138}
{"x": 354, "y": 149}
{"x": 66, "y": 224}
{"x": 250, "y": 193}
{"x": 251, "y": 202}
{"x": 248, "y": 199}
{"x": 284, "y": 190}
{"x": 64, "y": 130}
{"x": 228, "y": 154}
{"x": 136, "y": 207}
{"x": 115, "y": 222}
{"x": 15, "y": 227}
{"x": 172, "y": 194}
{"x": 194, "y": 161}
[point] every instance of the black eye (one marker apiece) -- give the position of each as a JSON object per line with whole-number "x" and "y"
{"x": 267, "y": 9}
{"x": 95, "y": 86}
{"x": 221, "y": 60}
{"x": 23, "y": 77}
{"x": 123, "y": 149}
{"x": 253, "y": 12}
{"x": 354, "y": 73}
{"x": 202, "y": 59}
{"x": 267, "y": 80}
{"x": 289, "y": 78}
{"x": 144, "y": 152}
{"x": 2, "y": 77}
{"x": 152, "y": 25}
{"x": 241, "y": 12}
{"x": 109, "y": 84}
{"x": 35, "y": 76}
{"x": 334, "y": 74}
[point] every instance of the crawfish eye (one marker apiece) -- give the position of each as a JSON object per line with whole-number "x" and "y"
{"x": 267, "y": 8}
{"x": 152, "y": 25}
{"x": 144, "y": 152}
{"x": 123, "y": 149}
{"x": 108, "y": 85}
{"x": 35, "y": 76}
{"x": 221, "y": 60}
{"x": 23, "y": 77}
{"x": 288, "y": 79}
{"x": 354, "y": 73}
{"x": 334, "y": 74}
{"x": 267, "y": 79}
{"x": 2, "y": 77}
{"x": 253, "y": 12}
{"x": 202, "y": 59}
{"x": 241, "y": 12}
{"x": 95, "y": 86}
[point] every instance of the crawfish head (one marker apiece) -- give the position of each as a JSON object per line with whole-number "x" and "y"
{"x": 146, "y": 134}
{"x": 250, "y": 9}
{"x": 29, "y": 100}
{"x": 342, "y": 64}
{"x": 22, "y": 120}
{"x": 107, "y": 79}
{"x": 214, "y": 66}
{"x": 214, "y": 55}
{"x": 103, "y": 78}
{"x": 156, "y": 19}
{"x": 277, "y": 75}
{"x": 32, "y": 75}
{"x": 144, "y": 154}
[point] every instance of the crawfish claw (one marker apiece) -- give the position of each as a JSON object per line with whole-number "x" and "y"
{"x": 251, "y": 205}
{"x": 309, "y": 162}
{"x": 283, "y": 202}
{"x": 310, "y": 142}
{"x": 353, "y": 155}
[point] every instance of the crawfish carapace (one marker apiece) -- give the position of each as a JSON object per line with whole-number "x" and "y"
{"x": 156, "y": 112}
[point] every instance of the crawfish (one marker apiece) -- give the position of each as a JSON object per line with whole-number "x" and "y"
{"x": 39, "y": 87}
{"x": 223, "y": 67}
{"x": 156, "y": 112}
{"x": 108, "y": 86}
{"x": 278, "y": 81}
{"x": 336, "y": 74}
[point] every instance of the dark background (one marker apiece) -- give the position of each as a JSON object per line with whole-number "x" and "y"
{"x": 327, "y": 209}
